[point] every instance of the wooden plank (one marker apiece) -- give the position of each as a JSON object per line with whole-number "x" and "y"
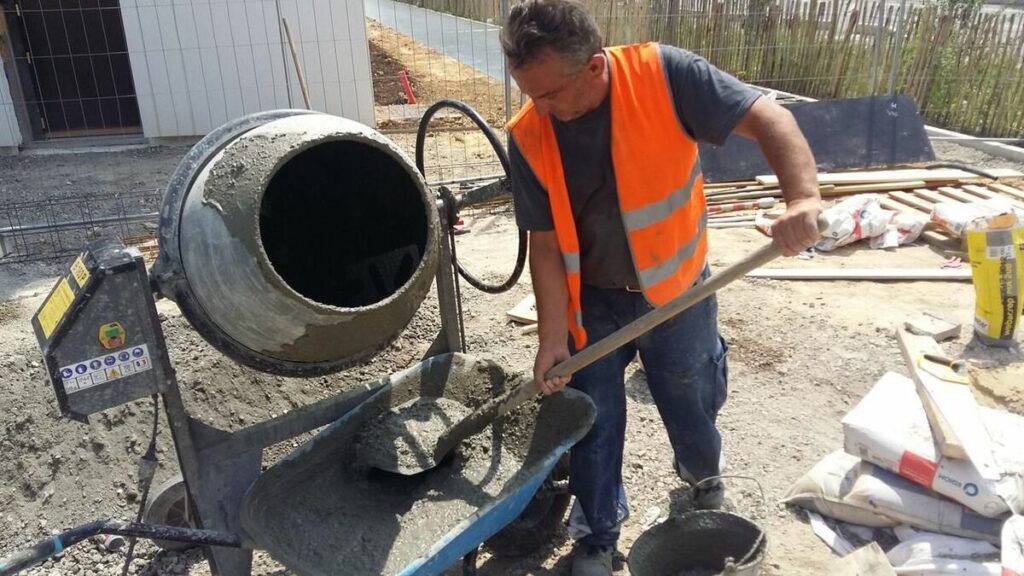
{"x": 934, "y": 197}
{"x": 869, "y": 560}
{"x": 758, "y": 194}
{"x": 1016, "y": 193}
{"x": 991, "y": 195}
{"x": 953, "y": 412}
{"x": 914, "y": 347}
{"x": 879, "y": 176}
{"x": 879, "y": 187}
{"x": 874, "y": 274}
{"x": 914, "y": 201}
{"x": 957, "y": 194}
{"x": 890, "y": 204}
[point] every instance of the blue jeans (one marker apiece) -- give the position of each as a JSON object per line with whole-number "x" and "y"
{"x": 685, "y": 363}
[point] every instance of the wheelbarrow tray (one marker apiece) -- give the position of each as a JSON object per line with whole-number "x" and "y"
{"x": 319, "y": 511}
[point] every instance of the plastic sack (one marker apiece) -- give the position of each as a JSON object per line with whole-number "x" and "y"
{"x": 956, "y": 217}
{"x": 862, "y": 217}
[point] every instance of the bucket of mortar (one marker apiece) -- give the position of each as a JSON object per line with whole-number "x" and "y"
{"x": 297, "y": 243}
{"x": 704, "y": 542}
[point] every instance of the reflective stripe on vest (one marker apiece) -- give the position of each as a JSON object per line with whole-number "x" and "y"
{"x": 657, "y": 174}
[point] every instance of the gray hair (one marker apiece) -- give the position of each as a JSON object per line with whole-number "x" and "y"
{"x": 561, "y": 25}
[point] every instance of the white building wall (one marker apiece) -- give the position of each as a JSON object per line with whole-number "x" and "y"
{"x": 199, "y": 63}
{"x": 10, "y": 135}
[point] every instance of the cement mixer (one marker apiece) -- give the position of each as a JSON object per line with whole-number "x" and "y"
{"x": 300, "y": 244}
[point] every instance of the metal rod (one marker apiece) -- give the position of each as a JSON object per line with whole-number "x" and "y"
{"x": 465, "y": 180}
{"x": 67, "y": 224}
{"x": 504, "y": 66}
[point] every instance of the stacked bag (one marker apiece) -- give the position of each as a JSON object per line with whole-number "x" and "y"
{"x": 891, "y": 474}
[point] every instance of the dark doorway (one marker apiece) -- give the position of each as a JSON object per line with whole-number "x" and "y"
{"x": 72, "y": 64}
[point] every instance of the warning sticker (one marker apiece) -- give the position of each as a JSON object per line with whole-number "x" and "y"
{"x": 55, "y": 307}
{"x": 107, "y": 368}
{"x": 80, "y": 272}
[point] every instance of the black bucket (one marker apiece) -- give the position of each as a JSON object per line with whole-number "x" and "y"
{"x": 706, "y": 542}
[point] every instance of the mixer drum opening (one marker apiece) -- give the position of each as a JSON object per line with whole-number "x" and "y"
{"x": 343, "y": 223}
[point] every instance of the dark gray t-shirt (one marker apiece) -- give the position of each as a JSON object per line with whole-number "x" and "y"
{"x": 709, "y": 103}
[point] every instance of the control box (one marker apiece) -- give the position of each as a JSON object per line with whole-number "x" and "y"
{"x": 99, "y": 334}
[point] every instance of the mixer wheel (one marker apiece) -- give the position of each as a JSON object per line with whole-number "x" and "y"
{"x": 168, "y": 505}
{"x": 540, "y": 521}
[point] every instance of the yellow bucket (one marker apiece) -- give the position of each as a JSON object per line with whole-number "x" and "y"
{"x": 996, "y": 251}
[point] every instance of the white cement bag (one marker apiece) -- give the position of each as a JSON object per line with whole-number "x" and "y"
{"x": 890, "y": 495}
{"x": 889, "y": 428}
{"x": 1013, "y": 547}
{"x": 930, "y": 553}
{"x": 846, "y": 488}
{"x": 824, "y": 488}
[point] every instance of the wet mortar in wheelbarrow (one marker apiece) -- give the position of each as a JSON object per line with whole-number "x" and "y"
{"x": 322, "y": 508}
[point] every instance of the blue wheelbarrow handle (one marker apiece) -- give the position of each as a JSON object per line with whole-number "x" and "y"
{"x": 54, "y": 545}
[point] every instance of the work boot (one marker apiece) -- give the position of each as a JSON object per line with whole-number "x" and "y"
{"x": 709, "y": 495}
{"x": 592, "y": 560}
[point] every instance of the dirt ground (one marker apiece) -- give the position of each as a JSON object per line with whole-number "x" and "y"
{"x": 802, "y": 354}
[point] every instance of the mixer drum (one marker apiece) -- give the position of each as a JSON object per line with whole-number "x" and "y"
{"x": 297, "y": 243}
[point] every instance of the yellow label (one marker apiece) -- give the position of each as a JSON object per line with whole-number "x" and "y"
{"x": 80, "y": 272}
{"x": 55, "y": 307}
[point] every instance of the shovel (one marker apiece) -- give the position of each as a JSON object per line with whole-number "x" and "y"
{"x": 479, "y": 419}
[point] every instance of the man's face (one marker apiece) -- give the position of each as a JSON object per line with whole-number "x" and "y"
{"x": 560, "y": 88}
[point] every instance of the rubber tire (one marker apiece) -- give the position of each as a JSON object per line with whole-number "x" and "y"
{"x": 165, "y": 507}
{"x": 539, "y": 522}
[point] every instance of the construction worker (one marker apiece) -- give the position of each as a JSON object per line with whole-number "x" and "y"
{"x": 606, "y": 177}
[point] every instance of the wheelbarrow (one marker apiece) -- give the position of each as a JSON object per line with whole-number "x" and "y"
{"x": 318, "y": 510}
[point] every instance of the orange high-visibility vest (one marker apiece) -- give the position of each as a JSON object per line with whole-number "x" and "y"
{"x": 657, "y": 172}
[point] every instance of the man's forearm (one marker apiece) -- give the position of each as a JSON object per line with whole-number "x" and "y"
{"x": 548, "y": 273}
{"x": 785, "y": 149}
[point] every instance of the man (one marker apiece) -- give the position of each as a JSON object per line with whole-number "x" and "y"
{"x": 606, "y": 177}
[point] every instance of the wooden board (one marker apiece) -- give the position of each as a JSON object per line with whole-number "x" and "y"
{"x": 934, "y": 197}
{"x": 951, "y": 407}
{"x": 1016, "y": 193}
{"x": 957, "y": 194}
{"x": 879, "y": 176}
{"x": 869, "y": 560}
{"x": 913, "y": 347}
{"x": 989, "y": 194}
{"x": 879, "y": 187}
{"x": 911, "y": 200}
{"x": 880, "y": 274}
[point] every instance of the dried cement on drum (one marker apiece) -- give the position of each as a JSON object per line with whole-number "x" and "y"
{"x": 407, "y": 435}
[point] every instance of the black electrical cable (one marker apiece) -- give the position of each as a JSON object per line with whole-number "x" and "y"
{"x": 146, "y": 469}
{"x": 499, "y": 149}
